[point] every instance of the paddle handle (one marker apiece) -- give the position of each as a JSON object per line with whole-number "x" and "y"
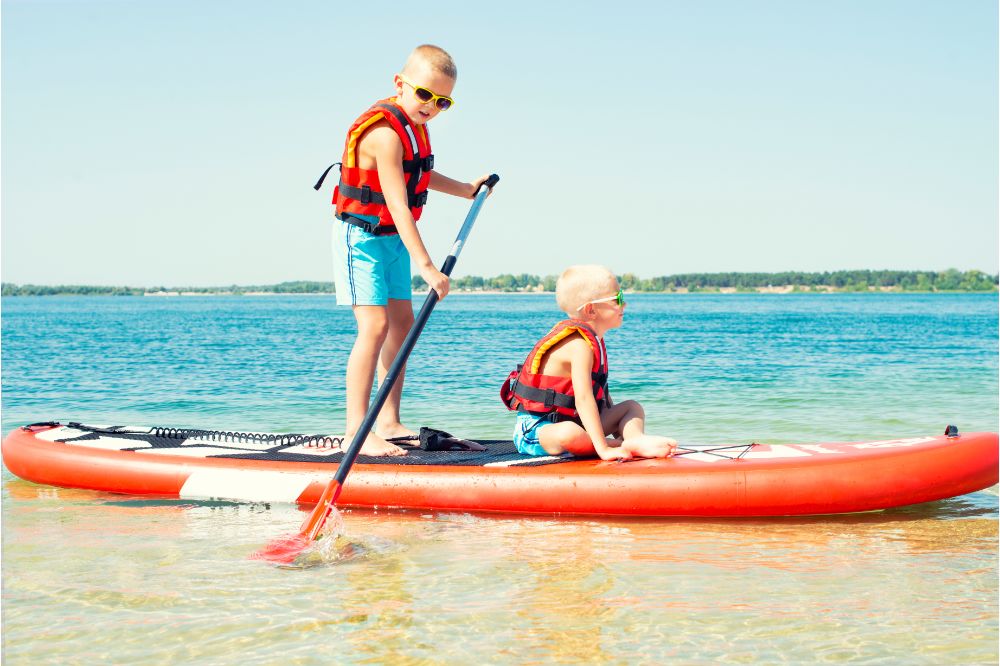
{"x": 315, "y": 521}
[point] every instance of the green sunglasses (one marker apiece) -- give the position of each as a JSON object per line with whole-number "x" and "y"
{"x": 618, "y": 298}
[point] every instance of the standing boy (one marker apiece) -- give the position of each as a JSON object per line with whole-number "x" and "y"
{"x": 386, "y": 171}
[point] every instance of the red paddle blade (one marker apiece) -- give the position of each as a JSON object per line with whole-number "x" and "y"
{"x": 314, "y": 523}
{"x": 284, "y": 550}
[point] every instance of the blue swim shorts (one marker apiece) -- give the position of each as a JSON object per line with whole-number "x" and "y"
{"x": 526, "y": 430}
{"x": 369, "y": 269}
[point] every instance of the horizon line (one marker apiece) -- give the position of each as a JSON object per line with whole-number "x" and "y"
{"x": 620, "y": 276}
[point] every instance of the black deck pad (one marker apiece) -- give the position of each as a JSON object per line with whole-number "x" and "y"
{"x": 288, "y": 447}
{"x": 497, "y": 451}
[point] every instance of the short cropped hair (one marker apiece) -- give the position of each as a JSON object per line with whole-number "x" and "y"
{"x": 581, "y": 284}
{"x": 435, "y": 56}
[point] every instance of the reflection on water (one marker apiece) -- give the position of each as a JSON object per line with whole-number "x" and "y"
{"x": 156, "y": 581}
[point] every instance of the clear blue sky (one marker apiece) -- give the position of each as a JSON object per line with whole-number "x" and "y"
{"x": 175, "y": 143}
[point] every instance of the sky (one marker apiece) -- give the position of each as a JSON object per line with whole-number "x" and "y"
{"x": 175, "y": 143}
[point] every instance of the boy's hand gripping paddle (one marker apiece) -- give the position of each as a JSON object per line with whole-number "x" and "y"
{"x": 285, "y": 549}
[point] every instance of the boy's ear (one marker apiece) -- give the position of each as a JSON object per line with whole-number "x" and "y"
{"x": 398, "y": 82}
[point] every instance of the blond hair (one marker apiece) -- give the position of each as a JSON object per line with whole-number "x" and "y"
{"x": 435, "y": 57}
{"x": 581, "y": 284}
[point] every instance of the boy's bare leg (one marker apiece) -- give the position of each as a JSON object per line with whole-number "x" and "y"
{"x": 400, "y": 316}
{"x": 568, "y": 436}
{"x": 372, "y": 333}
{"x": 629, "y": 419}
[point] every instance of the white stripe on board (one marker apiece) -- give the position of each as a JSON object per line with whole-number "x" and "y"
{"x": 514, "y": 463}
{"x": 318, "y": 451}
{"x": 110, "y": 443}
{"x": 704, "y": 457}
{"x": 64, "y": 432}
{"x": 894, "y": 443}
{"x": 247, "y": 484}
{"x": 194, "y": 451}
{"x": 775, "y": 451}
{"x": 242, "y": 443}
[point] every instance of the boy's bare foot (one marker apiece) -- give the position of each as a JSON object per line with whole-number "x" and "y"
{"x": 394, "y": 430}
{"x": 650, "y": 446}
{"x": 376, "y": 446}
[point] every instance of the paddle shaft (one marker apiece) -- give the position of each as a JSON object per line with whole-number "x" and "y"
{"x": 315, "y": 521}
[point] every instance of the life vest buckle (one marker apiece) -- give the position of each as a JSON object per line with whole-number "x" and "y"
{"x": 550, "y": 397}
{"x": 366, "y": 194}
{"x": 428, "y": 163}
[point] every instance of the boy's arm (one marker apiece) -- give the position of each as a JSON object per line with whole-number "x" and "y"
{"x": 581, "y": 364}
{"x": 388, "y": 152}
{"x": 442, "y": 183}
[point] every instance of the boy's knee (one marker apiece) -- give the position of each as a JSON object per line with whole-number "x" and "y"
{"x": 634, "y": 407}
{"x": 373, "y": 326}
{"x": 401, "y": 320}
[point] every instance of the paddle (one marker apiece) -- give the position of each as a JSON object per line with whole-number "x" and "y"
{"x": 285, "y": 549}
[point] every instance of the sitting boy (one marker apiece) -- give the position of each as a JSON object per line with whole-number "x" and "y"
{"x": 561, "y": 394}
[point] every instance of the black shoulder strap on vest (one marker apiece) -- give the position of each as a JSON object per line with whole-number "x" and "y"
{"x": 319, "y": 183}
{"x": 415, "y": 166}
{"x": 407, "y": 126}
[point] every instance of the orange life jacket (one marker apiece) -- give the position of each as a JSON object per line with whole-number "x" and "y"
{"x": 359, "y": 191}
{"x": 528, "y": 390}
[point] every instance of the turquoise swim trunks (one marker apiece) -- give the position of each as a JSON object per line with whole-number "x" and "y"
{"x": 526, "y": 430}
{"x": 369, "y": 269}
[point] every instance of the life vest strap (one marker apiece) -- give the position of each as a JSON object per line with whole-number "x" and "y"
{"x": 548, "y": 397}
{"x": 552, "y": 417}
{"x": 366, "y": 195}
{"x": 418, "y": 164}
{"x": 319, "y": 183}
{"x": 375, "y": 229}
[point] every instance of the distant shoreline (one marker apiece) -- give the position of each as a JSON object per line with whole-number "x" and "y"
{"x": 780, "y": 290}
{"x": 789, "y": 282}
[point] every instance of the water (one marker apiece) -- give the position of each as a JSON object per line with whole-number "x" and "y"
{"x": 98, "y": 578}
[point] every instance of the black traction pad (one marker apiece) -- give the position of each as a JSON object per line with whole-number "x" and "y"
{"x": 289, "y": 447}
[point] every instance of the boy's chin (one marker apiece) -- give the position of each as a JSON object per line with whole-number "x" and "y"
{"x": 419, "y": 117}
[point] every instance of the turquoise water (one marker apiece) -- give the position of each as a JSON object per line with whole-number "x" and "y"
{"x": 120, "y": 579}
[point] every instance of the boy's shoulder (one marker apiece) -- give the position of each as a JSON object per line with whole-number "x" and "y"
{"x": 379, "y": 137}
{"x": 573, "y": 348}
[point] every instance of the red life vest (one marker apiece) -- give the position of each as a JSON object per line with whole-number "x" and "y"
{"x": 528, "y": 390}
{"x": 359, "y": 191}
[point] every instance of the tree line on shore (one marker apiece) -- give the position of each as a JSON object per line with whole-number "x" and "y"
{"x": 859, "y": 280}
{"x": 295, "y": 287}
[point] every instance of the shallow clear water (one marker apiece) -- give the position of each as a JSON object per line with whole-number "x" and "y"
{"x": 98, "y": 578}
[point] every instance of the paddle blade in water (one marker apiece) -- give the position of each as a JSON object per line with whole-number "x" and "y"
{"x": 312, "y": 525}
{"x": 283, "y": 550}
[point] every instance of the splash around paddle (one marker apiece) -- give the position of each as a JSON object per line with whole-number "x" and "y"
{"x": 333, "y": 546}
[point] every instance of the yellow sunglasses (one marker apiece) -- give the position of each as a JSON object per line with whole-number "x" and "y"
{"x": 442, "y": 102}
